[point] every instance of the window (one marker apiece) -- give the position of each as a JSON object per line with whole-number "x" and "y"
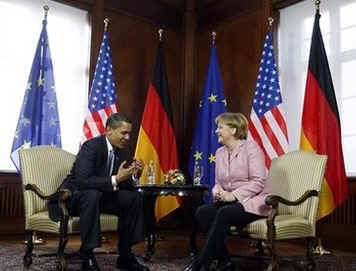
{"x": 69, "y": 40}
{"x": 338, "y": 27}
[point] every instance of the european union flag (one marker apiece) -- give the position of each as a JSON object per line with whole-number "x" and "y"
{"x": 205, "y": 141}
{"x": 38, "y": 122}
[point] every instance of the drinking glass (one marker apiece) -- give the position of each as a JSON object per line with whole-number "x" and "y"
{"x": 198, "y": 174}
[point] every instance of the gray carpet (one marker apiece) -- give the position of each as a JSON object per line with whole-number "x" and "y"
{"x": 11, "y": 260}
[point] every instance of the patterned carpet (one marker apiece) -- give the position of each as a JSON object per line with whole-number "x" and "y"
{"x": 11, "y": 260}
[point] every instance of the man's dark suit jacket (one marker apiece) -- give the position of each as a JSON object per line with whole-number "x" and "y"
{"x": 89, "y": 171}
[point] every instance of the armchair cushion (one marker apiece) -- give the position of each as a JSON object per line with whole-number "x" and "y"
{"x": 41, "y": 222}
{"x": 287, "y": 227}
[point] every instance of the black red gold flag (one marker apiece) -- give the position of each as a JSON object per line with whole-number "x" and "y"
{"x": 321, "y": 130}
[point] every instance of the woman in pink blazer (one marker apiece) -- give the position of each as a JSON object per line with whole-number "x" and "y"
{"x": 239, "y": 191}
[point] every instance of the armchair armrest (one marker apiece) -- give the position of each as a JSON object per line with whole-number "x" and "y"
{"x": 34, "y": 188}
{"x": 62, "y": 194}
{"x": 274, "y": 200}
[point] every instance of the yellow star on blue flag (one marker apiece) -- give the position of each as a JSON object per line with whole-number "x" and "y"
{"x": 205, "y": 140}
{"x": 38, "y": 123}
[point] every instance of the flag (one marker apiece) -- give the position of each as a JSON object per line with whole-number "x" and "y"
{"x": 205, "y": 142}
{"x": 103, "y": 93}
{"x": 321, "y": 130}
{"x": 156, "y": 139}
{"x": 267, "y": 125}
{"x": 38, "y": 123}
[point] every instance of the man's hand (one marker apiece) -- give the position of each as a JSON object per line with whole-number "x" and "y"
{"x": 138, "y": 167}
{"x": 124, "y": 172}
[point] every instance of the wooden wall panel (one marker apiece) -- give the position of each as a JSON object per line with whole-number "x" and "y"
{"x": 134, "y": 44}
{"x": 239, "y": 42}
{"x": 240, "y": 37}
{"x": 238, "y": 49}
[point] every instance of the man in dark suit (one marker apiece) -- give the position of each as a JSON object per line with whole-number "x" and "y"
{"x": 101, "y": 183}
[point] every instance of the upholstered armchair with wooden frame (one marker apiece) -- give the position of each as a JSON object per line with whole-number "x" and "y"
{"x": 296, "y": 180}
{"x": 43, "y": 168}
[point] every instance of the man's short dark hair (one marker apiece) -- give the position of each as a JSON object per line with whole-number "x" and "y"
{"x": 116, "y": 119}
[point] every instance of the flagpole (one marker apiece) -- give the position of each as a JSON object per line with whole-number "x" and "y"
{"x": 106, "y": 23}
{"x": 46, "y": 9}
{"x": 270, "y": 21}
{"x": 35, "y": 239}
{"x": 213, "y": 34}
{"x": 319, "y": 249}
{"x": 160, "y": 34}
{"x": 317, "y": 5}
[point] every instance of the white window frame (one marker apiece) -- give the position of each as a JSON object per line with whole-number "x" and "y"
{"x": 69, "y": 32}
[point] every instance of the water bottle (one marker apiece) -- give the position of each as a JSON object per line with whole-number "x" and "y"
{"x": 197, "y": 173}
{"x": 151, "y": 173}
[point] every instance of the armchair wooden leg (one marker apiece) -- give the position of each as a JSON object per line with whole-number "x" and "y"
{"x": 193, "y": 243}
{"x": 274, "y": 264}
{"x": 310, "y": 257}
{"x": 259, "y": 251}
{"x": 63, "y": 228}
{"x": 27, "y": 259}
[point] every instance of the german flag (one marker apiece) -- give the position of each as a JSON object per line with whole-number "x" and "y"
{"x": 156, "y": 139}
{"x": 321, "y": 130}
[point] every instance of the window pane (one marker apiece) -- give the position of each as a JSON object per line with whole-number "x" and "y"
{"x": 348, "y": 86}
{"x": 347, "y": 15}
{"x": 348, "y": 39}
{"x": 349, "y": 149}
{"x": 348, "y": 116}
{"x": 338, "y": 24}
{"x": 308, "y": 28}
{"x": 69, "y": 40}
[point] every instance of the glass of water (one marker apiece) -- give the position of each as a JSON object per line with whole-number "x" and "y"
{"x": 198, "y": 174}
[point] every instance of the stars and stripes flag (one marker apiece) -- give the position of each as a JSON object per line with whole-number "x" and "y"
{"x": 205, "y": 141}
{"x": 103, "y": 94}
{"x": 267, "y": 125}
{"x": 39, "y": 121}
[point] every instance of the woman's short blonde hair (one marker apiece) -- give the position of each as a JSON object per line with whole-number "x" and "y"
{"x": 234, "y": 120}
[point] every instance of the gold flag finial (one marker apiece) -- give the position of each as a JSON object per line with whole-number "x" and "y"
{"x": 106, "y": 23}
{"x": 270, "y": 21}
{"x": 160, "y": 34}
{"x": 46, "y": 9}
{"x": 213, "y": 34}
{"x": 317, "y": 5}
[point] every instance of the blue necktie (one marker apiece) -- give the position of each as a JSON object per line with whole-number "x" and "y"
{"x": 110, "y": 163}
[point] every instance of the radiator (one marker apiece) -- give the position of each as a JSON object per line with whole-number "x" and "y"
{"x": 11, "y": 197}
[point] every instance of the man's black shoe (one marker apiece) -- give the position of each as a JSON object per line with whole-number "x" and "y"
{"x": 226, "y": 265}
{"x": 193, "y": 266}
{"x": 130, "y": 264}
{"x": 90, "y": 264}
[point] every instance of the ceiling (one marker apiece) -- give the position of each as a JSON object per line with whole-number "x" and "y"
{"x": 180, "y": 4}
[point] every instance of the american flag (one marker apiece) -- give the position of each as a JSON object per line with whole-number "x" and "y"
{"x": 267, "y": 124}
{"x": 103, "y": 94}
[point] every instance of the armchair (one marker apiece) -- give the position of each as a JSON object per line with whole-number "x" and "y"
{"x": 296, "y": 179}
{"x": 43, "y": 169}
